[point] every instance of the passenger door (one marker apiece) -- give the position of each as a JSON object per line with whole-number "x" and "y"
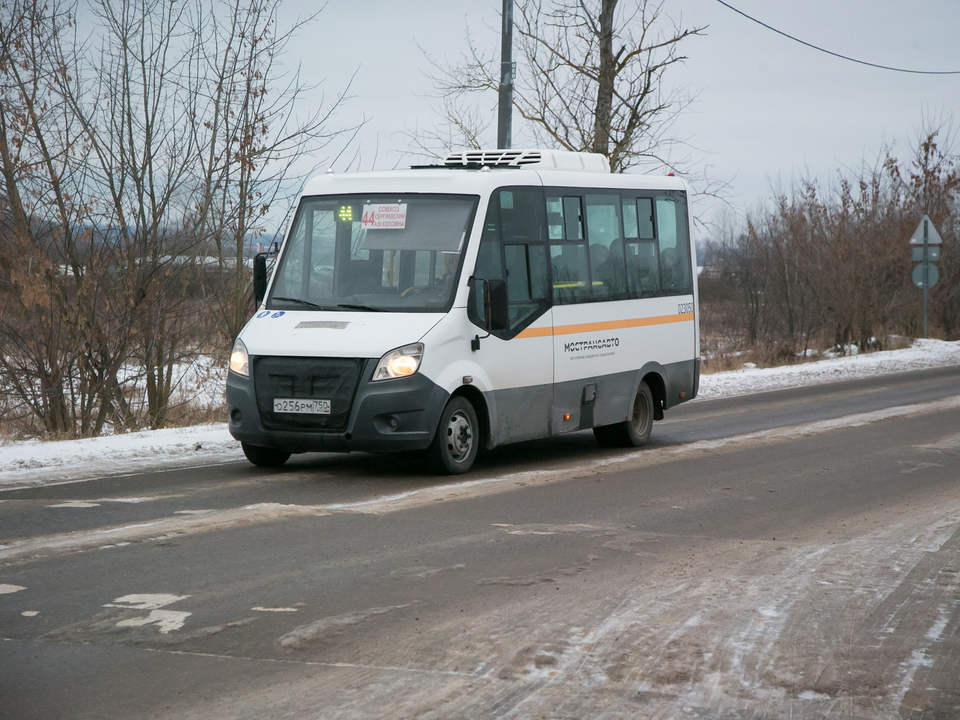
{"x": 518, "y": 360}
{"x": 592, "y": 378}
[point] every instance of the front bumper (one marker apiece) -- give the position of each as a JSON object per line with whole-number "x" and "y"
{"x": 385, "y": 416}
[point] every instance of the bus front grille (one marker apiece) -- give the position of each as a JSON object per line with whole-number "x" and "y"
{"x": 295, "y": 378}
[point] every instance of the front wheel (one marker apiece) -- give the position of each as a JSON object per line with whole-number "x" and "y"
{"x": 635, "y": 432}
{"x": 263, "y": 456}
{"x": 455, "y": 445}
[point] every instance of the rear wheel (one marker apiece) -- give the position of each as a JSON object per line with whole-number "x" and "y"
{"x": 456, "y": 443}
{"x": 635, "y": 432}
{"x": 264, "y": 457}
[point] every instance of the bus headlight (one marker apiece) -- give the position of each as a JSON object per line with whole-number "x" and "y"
{"x": 239, "y": 359}
{"x": 399, "y": 363}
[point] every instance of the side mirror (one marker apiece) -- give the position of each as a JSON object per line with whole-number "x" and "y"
{"x": 259, "y": 277}
{"x": 496, "y": 309}
{"x": 491, "y": 295}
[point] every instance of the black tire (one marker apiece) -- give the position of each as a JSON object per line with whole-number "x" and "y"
{"x": 264, "y": 457}
{"x": 634, "y": 432}
{"x": 609, "y": 435}
{"x": 455, "y": 445}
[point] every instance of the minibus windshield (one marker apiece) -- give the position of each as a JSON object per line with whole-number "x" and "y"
{"x": 374, "y": 253}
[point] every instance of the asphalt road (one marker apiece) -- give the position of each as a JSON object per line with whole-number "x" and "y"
{"x": 788, "y": 554}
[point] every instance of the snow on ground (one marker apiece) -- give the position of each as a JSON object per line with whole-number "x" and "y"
{"x": 32, "y": 462}
{"x": 922, "y": 355}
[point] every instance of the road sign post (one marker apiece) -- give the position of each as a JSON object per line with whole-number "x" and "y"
{"x": 925, "y": 274}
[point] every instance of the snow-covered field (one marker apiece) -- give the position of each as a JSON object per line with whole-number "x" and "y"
{"x": 32, "y": 462}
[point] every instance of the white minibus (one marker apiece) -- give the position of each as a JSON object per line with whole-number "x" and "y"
{"x": 499, "y": 297}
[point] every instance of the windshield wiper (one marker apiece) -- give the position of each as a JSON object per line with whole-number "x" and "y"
{"x": 351, "y": 306}
{"x": 300, "y": 302}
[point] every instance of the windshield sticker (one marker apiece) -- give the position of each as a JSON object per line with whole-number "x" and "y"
{"x": 277, "y": 314}
{"x": 384, "y": 217}
{"x": 263, "y": 314}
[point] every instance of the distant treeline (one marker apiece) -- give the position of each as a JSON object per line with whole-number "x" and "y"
{"x": 821, "y": 267}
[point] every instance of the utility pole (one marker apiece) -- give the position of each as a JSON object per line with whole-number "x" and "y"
{"x": 505, "y": 115}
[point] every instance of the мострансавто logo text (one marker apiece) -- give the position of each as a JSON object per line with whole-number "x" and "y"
{"x": 587, "y": 345}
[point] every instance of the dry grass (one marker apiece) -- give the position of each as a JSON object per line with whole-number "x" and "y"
{"x": 720, "y": 354}
{"x": 187, "y": 415}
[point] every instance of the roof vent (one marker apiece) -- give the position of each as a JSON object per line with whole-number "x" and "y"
{"x": 531, "y": 159}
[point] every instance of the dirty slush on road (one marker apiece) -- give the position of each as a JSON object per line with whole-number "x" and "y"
{"x": 849, "y": 625}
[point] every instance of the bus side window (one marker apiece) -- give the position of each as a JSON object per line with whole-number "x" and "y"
{"x": 674, "y": 246}
{"x": 645, "y": 218}
{"x": 522, "y": 234}
{"x": 642, "y": 261}
{"x": 512, "y": 248}
{"x": 573, "y": 219}
{"x": 643, "y": 269}
{"x": 631, "y": 230}
{"x": 607, "y": 275}
{"x": 568, "y": 251}
{"x": 489, "y": 264}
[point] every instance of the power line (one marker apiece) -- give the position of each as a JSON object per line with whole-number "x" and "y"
{"x": 842, "y": 57}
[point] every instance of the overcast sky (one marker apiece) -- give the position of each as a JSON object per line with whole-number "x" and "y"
{"x": 768, "y": 110}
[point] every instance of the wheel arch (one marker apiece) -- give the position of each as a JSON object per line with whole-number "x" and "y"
{"x": 479, "y": 402}
{"x": 654, "y": 375}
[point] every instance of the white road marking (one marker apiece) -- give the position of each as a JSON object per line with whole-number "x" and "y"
{"x": 166, "y": 620}
{"x": 268, "y": 512}
{"x": 7, "y": 589}
{"x": 274, "y": 609}
{"x": 75, "y": 504}
{"x": 30, "y": 613}
{"x": 146, "y": 602}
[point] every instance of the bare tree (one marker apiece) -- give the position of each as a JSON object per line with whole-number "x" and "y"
{"x": 193, "y": 130}
{"x": 48, "y": 324}
{"x": 246, "y": 136}
{"x": 590, "y": 79}
{"x": 832, "y": 267}
{"x": 131, "y": 103}
{"x": 123, "y": 159}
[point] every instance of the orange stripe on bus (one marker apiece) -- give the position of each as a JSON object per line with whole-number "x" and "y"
{"x": 606, "y": 325}
{"x": 536, "y": 332}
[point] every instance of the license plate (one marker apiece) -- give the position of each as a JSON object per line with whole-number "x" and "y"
{"x": 300, "y": 405}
